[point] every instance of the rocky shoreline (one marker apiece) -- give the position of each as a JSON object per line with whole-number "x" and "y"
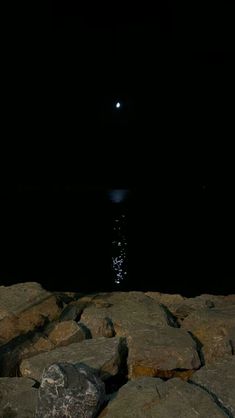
{"x": 142, "y": 354}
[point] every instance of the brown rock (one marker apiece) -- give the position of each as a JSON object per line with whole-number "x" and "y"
{"x": 164, "y": 352}
{"x": 103, "y": 354}
{"x": 219, "y": 380}
{"x": 23, "y": 307}
{"x": 65, "y": 333}
{"x": 18, "y": 397}
{"x": 126, "y": 311}
{"x": 150, "y": 397}
{"x": 214, "y": 328}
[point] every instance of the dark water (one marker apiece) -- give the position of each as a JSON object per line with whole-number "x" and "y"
{"x": 65, "y": 239}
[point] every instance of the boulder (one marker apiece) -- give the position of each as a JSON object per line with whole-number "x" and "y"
{"x": 70, "y": 390}
{"x": 18, "y": 397}
{"x": 149, "y": 397}
{"x": 215, "y": 329}
{"x": 106, "y": 355}
{"x": 163, "y": 352}
{"x": 65, "y": 333}
{"x": 24, "y": 307}
{"x": 218, "y": 379}
{"x": 122, "y": 313}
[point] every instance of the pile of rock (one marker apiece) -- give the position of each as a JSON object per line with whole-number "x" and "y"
{"x": 120, "y": 354}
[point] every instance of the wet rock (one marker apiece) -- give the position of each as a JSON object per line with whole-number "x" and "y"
{"x": 18, "y": 397}
{"x": 65, "y": 333}
{"x": 164, "y": 352}
{"x": 150, "y": 397}
{"x": 24, "y": 307}
{"x": 218, "y": 379}
{"x": 214, "y": 328}
{"x": 106, "y": 355}
{"x": 70, "y": 390}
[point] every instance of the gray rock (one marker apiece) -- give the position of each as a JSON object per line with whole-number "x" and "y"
{"x": 152, "y": 398}
{"x": 219, "y": 380}
{"x": 70, "y": 390}
{"x": 106, "y": 355}
{"x": 18, "y": 397}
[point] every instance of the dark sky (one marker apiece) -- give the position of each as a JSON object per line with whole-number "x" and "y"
{"x": 170, "y": 143}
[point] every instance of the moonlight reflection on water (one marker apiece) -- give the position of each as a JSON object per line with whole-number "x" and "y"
{"x": 119, "y": 236}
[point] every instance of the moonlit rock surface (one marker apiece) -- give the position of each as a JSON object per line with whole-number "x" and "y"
{"x": 69, "y": 390}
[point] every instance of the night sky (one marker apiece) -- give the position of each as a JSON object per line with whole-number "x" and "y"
{"x": 169, "y": 143}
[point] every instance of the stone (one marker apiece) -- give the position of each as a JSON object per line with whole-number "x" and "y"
{"x": 24, "y": 307}
{"x": 65, "y": 333}
{"x": 106, "y": 355}
{"x": 218, "y": 379}
{"x": 71, "y": 312}
{"x": 126, "y": 311}
{"x": 70, "y": 390}
{"x": 150, "y": 397}
{"x": 18, "y": 397}
{"x": 181, "y": 306}
{"x": 162, "y": 352}
{"x": 214, "y": 329}
{"x": 12, "y": 353}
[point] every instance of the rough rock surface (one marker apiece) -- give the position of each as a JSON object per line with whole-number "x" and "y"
{"x": 163, "y": 352}
{"x": 69, "y": 390}
{"x": 218, "y": 379}
{"x": 65, "y": 333}
{"x": 23, "y": 307}
{"x": 126, "y": 311}
{"x": 103, "y": 354}
{"x": 152, "y": 398}
{"x": 18, "y": 397}
{"x": 215, "y": 329}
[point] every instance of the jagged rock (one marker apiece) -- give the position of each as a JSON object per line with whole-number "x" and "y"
{"x": 163, "y": 352}
{"x": 125, "y": 310}
{"x": 70, "y": 390}
{"x": 106, "y": 355}
{"x": 150, "y": 397}
{"x": 214, "y": 328}
{"x": 65, "y": 333}
{"x": 18, "y": 397}
{"x": 23, "y": 307}
{"x": 218, "y": 379}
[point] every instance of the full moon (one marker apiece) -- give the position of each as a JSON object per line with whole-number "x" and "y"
{"x": 118, "y": 105}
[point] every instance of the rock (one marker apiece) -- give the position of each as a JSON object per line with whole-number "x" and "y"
{"x": 181, "y": 306}
{"x": 23, "y": 307}
{"x": 65, "y": 333}
{"x": 215, "y": 329}
{"x": 150, "y": 397}
{"x": 106, "y": 355}
{"x": 71, "y": 312}
{"x": 218, "y": 379}
{"x": 12, "y": 353}
{"x": 70, "y": 390}
{"x": 126, "y": 311}
{"x": 164, "y": 352}
{"x": 18, "y": 397}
